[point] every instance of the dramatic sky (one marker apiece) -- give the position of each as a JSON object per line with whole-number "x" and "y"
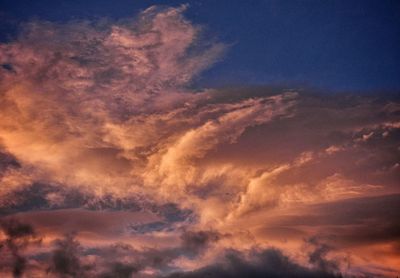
{"x": 219, "y": 139}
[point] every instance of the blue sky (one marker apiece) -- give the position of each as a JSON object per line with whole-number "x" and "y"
{"x": 334, "y": 45}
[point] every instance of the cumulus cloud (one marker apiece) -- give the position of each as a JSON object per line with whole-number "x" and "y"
{"x": 101, "y": 134}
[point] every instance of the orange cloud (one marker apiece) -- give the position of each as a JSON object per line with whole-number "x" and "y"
{"x": 102, "y": 135}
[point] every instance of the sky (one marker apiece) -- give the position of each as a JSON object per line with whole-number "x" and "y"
{"x": 331, "y": 45}
{"x": 173, "y": 139}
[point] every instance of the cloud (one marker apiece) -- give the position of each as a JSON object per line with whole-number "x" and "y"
{"x": 265, "y": 263}
{"x": 318, "y": 256}
{"x": 104, "y": 107}
{"x": 101, "y": 134}
{"x": 120, "y": 270}
{"x": 18, "y": 237}
{"x": 69, "y": 257}
{"x": 65, "y": 260}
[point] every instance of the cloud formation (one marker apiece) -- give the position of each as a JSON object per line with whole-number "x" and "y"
{"x": 17, "y": 237}
{"x": 265, "y": 263}
{"x": 103, "y": 137}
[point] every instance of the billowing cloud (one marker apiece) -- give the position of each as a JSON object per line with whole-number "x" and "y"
{"x": 125, "y": 170}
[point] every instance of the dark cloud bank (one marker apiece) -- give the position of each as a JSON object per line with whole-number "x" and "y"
{"x": 68, "y": 256}
{"x": 267, "y": 263}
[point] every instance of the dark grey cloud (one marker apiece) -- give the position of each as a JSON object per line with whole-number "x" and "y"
{"x": 267, "y": 263}
{"x": 318, "y": 256}
{"x": 120, "y": 270}
{"x": 7, "y": 161}
{"x": 37, "y": 197}
{"x": 195, "y": 242}
{"x": 66, "y": 258}
{"x": 18, "y": 236}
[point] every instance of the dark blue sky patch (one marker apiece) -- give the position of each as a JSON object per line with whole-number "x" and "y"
{"x": 150, "y": 227}
{"x": 172, "y": 213}
{"x": 8, "y": 67}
